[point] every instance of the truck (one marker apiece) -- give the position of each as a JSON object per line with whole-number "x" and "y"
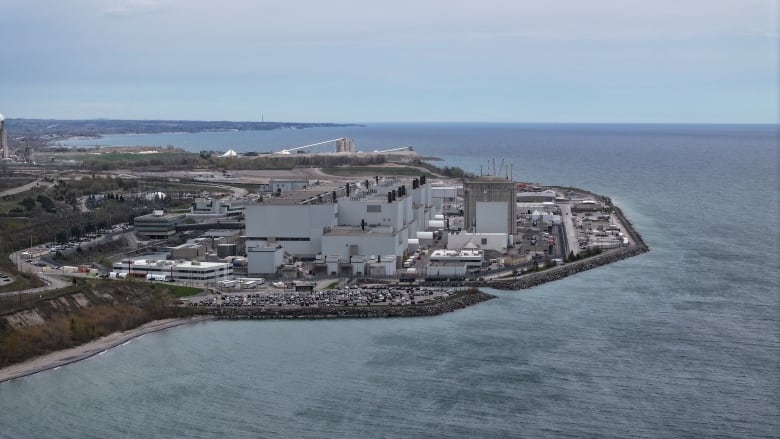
{"x": 227, "y": 284}
{"x": 158, "y": 277}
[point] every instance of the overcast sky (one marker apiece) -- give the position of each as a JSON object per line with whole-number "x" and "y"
{"x": 401, "y": 60}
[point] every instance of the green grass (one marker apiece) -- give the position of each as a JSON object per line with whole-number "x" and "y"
{"x": 119, "y": 156}
{"x": 376, "y": 170}
{"x": 20, "y": 282}
{"x": 182, "y": 291}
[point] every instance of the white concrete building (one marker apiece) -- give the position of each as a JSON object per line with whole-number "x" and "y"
{"x": 445, "y": 198}
{"x": 377, "y": 219}
{"x": 472, "y": 257}
{"x": 179, "y": 271}
{"x": 264, "y": 259}
{"x": 454, "y": 263}
{"x": 485, "y": 241}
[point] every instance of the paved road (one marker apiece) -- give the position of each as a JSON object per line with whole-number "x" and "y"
{"x": 53, "y": 281}
{"x": 25, "y": 188}
{"x": 572, "y": 243}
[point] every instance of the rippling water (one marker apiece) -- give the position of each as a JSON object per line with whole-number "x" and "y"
{"x": 678, "y": 342}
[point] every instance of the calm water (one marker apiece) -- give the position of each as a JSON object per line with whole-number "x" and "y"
{"x": 679, "y": 342}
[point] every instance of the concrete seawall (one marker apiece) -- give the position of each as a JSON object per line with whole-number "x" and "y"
{"x": 462, "y": 300}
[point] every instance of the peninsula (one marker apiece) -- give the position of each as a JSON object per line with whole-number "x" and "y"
{"x": 382, "y": 234}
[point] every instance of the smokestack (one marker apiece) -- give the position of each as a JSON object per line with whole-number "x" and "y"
{"x": 3, "y": 139}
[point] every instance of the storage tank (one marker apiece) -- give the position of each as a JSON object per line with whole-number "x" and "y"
{"x": 425, "y": 235}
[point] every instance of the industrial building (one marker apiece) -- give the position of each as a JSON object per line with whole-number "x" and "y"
{"x": 158, "y": 224}
{"x": 178, "y": 271}
{"x": 489, "y": 205}
{"x": 445, "y": 199}
{"x": 362, "y": 219}
{"x": 278, "y": 186}
{"x": 207, "y": 207}
{"x": 498, "y": 242}
{"x": 548, "y": 195}
{"x": 454, "y": 263}
{"x": 345, "y": 145}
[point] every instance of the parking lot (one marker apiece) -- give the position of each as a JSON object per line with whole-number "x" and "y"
{"x": 377, "y": 295}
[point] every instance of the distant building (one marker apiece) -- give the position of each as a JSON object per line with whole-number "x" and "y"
{"x": 211, "y": 207}
{"x": 281, "y": 186}
{"x": 158, "y": 225}
{"x": 345, "y": 145}
{"x": 189, "y": 251}
{"x": 536, "y": 196}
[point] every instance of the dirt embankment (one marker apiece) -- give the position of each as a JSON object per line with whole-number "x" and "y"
{"x": 78, "y": 314}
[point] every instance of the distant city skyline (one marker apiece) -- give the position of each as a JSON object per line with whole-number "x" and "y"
{"x": 562, "y": 61}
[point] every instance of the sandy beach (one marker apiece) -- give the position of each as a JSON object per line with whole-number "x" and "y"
{"x": 78, "y": 353}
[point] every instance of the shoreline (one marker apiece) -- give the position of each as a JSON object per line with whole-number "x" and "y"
{"x": 530, "y": 280}
{"x": 57, "y": 359}
{"x": 68, "y": 356}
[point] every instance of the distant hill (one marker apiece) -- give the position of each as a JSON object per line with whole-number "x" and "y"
{"x": 36, "y": 129}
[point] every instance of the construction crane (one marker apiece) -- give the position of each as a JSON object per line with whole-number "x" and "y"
{"x": 290, "y": 150}
{"x": 403, "y": 148}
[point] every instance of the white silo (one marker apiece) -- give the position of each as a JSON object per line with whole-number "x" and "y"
{"x": 3, "y": 138}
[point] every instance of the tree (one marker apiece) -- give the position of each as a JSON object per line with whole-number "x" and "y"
{"x": 47, "y": 204}
{"x": 28, "y": 203}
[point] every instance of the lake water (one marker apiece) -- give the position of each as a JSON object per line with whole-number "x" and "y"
{"x": 679, "y": 342}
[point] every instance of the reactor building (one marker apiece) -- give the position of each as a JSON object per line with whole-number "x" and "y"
{"x": 3, "y": 139}
{"x": 489, "y": 205}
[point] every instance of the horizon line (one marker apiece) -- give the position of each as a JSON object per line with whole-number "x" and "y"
{"x": 453, "y": 122}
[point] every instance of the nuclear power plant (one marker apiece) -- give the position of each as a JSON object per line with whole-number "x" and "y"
{"x": 3, "y": 139}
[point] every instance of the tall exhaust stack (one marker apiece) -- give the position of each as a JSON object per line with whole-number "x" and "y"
{"x": 3, "y": 139}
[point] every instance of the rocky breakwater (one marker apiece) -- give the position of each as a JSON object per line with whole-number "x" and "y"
{"x": 459, "y": 300}
{"x": 530, "y": 280}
